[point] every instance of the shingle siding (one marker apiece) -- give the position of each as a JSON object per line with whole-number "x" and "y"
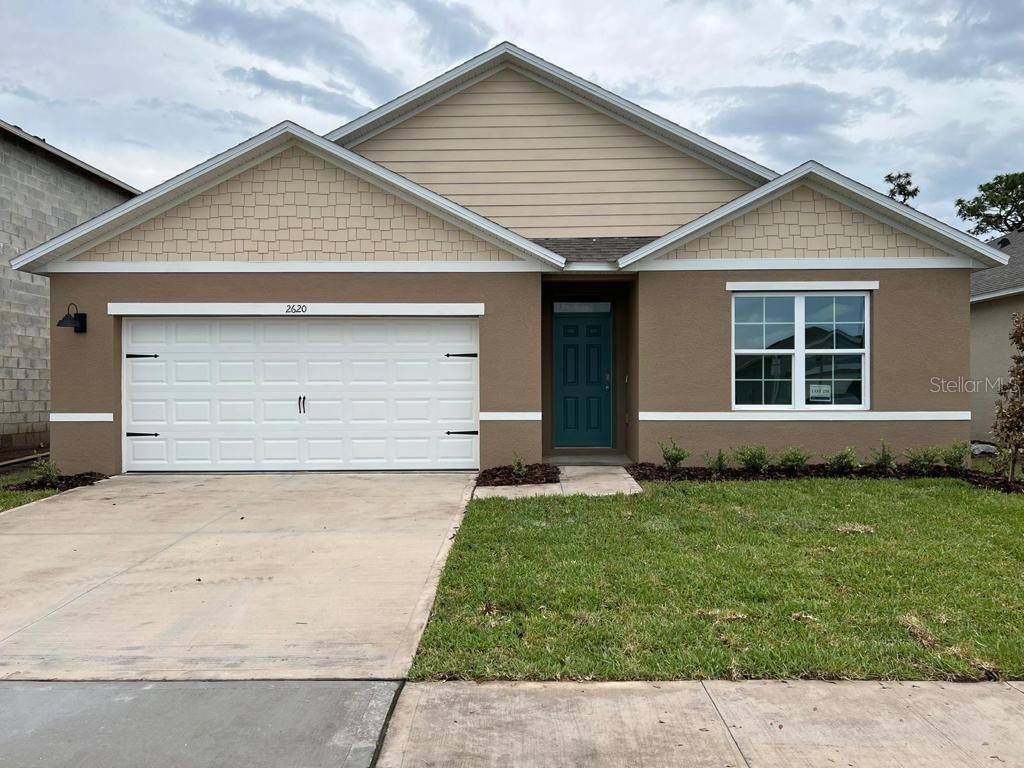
{"x": 40, "y": 197}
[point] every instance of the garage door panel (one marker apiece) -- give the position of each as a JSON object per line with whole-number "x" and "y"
{"x": 224, "y": 393}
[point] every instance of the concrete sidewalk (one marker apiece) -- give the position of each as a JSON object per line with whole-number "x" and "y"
{"x": 590, "y": 480}
{"x": 722, "y": 724}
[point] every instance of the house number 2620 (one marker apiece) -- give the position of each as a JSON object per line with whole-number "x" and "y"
{"x": 294, "y": 309}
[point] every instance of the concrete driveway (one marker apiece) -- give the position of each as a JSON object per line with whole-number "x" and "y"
{"x": 174, "y": 577}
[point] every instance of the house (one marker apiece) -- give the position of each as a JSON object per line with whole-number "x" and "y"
{"x": 506, "y": 260}
{"x": 43, "y": 192}
{"x": 996, "y": 294}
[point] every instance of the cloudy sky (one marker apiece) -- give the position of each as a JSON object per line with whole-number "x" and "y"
{"x": 148, "y": 88}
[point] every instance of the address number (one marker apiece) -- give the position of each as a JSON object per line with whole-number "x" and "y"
{"x": 294, "y": 309}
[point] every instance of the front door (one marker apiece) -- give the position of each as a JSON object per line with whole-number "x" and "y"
{"x": 582, "y": 380}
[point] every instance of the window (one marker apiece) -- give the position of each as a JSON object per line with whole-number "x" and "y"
{"x": 801, "y": 351}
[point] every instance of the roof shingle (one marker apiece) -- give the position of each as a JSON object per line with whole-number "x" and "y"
{"x": 1007, "y": 277}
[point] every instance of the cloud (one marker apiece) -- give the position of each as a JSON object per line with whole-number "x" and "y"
{"x": 221, "y": 120}
{"x": 293, "y": 36}
{"x": 20, "y": 91}
{"x": 453, "y": 30}
{"x": 327, "y": 100}
{"x": 833, "y": 56}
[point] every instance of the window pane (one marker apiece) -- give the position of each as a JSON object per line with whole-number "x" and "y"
{"x": 778, "y": 336}
{"x": 850, "y": 336}
{"x": 749, "y": 309}
{"x": 748, "y": 393}
{"x": 778, "y": 309}
{"x": 847, "y": 392}
{"x": 778, "y": 367}
{"x": 819, "y": 336}
{"x": 818, "y": 367}
{"x": 849, "y": 309}
{"x": 749, "y": 337}
{"x": 778, "y": 393}
{"x": 749, "y": 367}
{"x": 819, "y": 309}
{"x": 848, "y": 366}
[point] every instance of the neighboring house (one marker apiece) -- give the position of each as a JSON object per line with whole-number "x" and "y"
{"x": 506, "y": 260}
{"x": 995, "y": 295}
{"x": 43, "y": 192}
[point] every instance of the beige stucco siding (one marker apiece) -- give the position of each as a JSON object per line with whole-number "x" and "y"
{"x": 545, "y": 165}
{"x": 990, "y": 358}
{"x": 803, "y": 223}
{"x": 296, "y": 207}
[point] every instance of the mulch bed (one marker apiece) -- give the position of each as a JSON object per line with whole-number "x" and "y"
{"x": 648, "y": 472}
{"x": 535, "y": 475}
{"x": 64, "y": 482}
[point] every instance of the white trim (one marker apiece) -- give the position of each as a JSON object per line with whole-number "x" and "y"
{"x": 296, "y": 266}
{"x": 908, "y": 219}
{"x": 997, "y": 294}
{"x": 790, "y": 415}
{"x": 508, "y": 54}
{"x": 81, "y": 417}
{"x": 591, "y": 266}
{"x": 296, "y": 309}
{"x": 510, "y": 415}
{"x": 769, "y": 265}
{"x": 806, "y": 285}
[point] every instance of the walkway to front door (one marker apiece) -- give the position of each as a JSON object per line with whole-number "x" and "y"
{"x": 582, "y": 380}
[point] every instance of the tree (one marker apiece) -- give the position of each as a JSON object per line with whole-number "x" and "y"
{"x": 999, "y": 206}
{"x": 901, "y": 186}
{"x": 1009, "y": 424}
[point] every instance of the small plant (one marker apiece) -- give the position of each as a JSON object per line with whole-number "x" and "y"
{"x": 717, "y": 462}
{"x": 793, "y": 460}
{"x": 752, "y": 458}
{"x": 923, "y": 461}
{"x": 1009, "y": 424}
{"x": 672, "y": 455}
{"x": 46, "y": 472}
{"x": 882, "y": 458}
{"x": 957, "y": 455}
{"x": 842, "y": 462}
{"x": 518, "y": 466}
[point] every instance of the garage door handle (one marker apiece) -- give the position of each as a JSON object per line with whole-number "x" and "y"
{"x": 303, "y": 403}
{"x": 142, "y": 434}
{"x": 463, "y": 432}
{"x": 460, "y": 354}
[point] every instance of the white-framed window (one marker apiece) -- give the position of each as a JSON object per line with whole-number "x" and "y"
{"x": 801, "y": 350}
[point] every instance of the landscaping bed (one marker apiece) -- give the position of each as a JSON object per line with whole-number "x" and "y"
{"x": 60, "y": 483}
{"x": 817, "y": 578}
{"x": 525, "y": 474}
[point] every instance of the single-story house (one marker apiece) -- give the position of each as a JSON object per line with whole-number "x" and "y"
{"x": 505, "y": 260}
{"x": 996, "y": 294}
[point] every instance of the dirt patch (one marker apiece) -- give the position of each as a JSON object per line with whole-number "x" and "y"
{"x": 656, "y": 472}
{"x": 534, "y": 474}
{"x": 64, "y": 483}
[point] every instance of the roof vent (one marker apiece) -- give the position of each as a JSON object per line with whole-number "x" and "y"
{"x": 1003, "y": 242}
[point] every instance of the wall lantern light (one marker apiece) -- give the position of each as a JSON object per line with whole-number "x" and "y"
{"x": 74, "y": 319}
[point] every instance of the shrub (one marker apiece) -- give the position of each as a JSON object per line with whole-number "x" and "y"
{"x": 672, "y": 455}
{"x": 46, "y": 472}
{"x": 1009, "y": 424}
{"x": 923, "y": 461}
{"x": 882, "y": 458}
{"x": 841, "y": 463}
{"x": 957, "y": 455}
{"x": 518, "y": 466}
{"x": 717, "y": 462}
{"x": 752, "y": 458}
{"x": 793, "y": 459}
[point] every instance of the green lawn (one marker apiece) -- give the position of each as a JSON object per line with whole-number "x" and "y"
{"x": 10, "y": 499}
{"x": 912, "y": 579}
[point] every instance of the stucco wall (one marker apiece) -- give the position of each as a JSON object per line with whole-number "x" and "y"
{"x": 295, "y": 207}
{"x": 990, "y": 358}
{"x": 40, "y": 197}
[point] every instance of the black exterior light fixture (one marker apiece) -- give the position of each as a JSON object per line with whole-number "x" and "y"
{"x": 74, "y": 319}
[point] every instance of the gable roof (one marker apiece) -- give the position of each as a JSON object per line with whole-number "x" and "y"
{"x": 508, "y": 55}
{"x": 1006, "y": 280}
{"x": 207, "y": 174}
{"x": 842, "y": 188}
{"x": 26, "y": 137}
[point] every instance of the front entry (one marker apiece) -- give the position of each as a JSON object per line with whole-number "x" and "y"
{"x": 582, "y": 380}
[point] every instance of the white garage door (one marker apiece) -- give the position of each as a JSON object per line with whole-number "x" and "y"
{"x": 223, "y": 394}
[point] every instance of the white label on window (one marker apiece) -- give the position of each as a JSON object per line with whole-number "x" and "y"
{"x": 820, "y": 392}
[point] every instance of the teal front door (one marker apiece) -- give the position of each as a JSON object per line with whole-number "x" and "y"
{"x": 582, "y": 382}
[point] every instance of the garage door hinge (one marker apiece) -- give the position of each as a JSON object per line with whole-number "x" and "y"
{"x": 142, "y": 434}
{"x": 132, "y": 354}
{"x": 460, "y": 354}
{"x": 463, "y": 432}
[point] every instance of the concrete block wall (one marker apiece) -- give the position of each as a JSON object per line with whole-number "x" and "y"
{"x": 40, "y": 196}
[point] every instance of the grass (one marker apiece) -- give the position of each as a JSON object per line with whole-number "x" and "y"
{"x": 11, "y": 499}
{"x": 832, "y": 579}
